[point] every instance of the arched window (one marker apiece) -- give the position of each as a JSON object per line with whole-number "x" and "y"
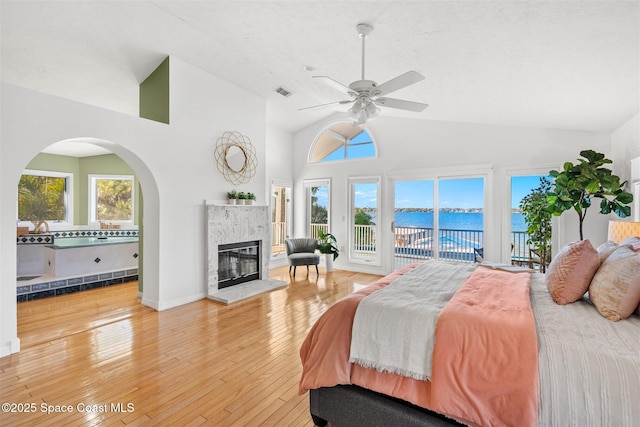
{"x": 341, "y": 141}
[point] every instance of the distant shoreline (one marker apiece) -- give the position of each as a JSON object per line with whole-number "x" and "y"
{"x": 463, "y": 210}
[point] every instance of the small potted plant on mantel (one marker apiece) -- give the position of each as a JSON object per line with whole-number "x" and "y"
{"x": 232, "y": 196}
{"x": 328, "y": 245}
{"x": 250, "y": 198}
{"x": 242, "y": 196}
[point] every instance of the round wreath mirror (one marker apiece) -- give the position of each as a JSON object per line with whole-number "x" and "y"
{"x": 235, "y": 157}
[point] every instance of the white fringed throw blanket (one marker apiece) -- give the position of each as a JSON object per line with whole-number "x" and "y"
{"x": 394, "y": 328}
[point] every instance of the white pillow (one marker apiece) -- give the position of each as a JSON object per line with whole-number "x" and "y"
{"x": 615, "y": 288}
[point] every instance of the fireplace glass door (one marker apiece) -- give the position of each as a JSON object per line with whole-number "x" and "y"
{"x": 238, "y": 263}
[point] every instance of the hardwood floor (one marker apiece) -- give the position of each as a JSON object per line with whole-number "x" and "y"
{"x": 108, "y": 360}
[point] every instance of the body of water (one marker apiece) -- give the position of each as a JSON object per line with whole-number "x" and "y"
{"x": 453, "y": 220}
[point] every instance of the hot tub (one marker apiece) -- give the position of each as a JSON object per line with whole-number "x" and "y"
{"x": 73, "y": 256}
{"x": 78, "y": 242}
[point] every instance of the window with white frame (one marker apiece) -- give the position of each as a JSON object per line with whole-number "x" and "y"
{"x": 636, "y": 201}
{"x": 342, "y": 141}
{"x": 318, "y": 194}
{"x": 45, "y": 196}
{"x": 111, "y": 198}
{"x": 364, "y": 219}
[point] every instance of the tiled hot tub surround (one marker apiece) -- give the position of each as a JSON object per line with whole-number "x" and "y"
{"x": 44, "y": 286}
{"x": 49, "y": 238}
{"x": 232, "y": 224}
{"x": 55, "y": 287}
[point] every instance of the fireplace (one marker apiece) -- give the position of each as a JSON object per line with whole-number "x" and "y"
{"x": 228, "y": 225}
{"x": 238, "y": 263}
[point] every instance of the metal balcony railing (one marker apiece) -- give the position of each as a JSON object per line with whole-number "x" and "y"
{"x": 451, "y": 244}
{"x": 415, "y": 243}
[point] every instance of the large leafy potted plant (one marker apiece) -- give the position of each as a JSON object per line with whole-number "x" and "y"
{"x": 538, "y": 219}
{"x": 328, "y": 245}
{"x": 577, "y": 185}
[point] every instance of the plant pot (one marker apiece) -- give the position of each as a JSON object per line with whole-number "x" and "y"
{"x": 248, "y": 202}
{"x": 232, "y": 201}
{"x": 241, "y": 201}
{"x": 328, "y": 262}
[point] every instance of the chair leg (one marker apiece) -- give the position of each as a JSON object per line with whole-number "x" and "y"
{"x": 294, "y": 269}
{"x": 290, "y": 269}
{"x": 307, "y": 269}
{"x": 317, "y": 272}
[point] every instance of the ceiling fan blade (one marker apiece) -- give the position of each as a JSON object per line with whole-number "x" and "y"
{"x": 327, "y": 104}
{"x": 403, "y": 80}
{"x": 401, "y": 104}
{"x": 333, "y": 83}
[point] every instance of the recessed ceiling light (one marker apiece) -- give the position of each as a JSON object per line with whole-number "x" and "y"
{"x": 309, "y": 68}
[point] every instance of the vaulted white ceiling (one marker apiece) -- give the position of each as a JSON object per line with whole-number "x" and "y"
{"x": 557, "y": 64}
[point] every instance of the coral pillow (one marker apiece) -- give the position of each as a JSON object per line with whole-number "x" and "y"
{"x": 571, "y": 271}
{"x": 615, "y": 289}
{"x": 634, "y": 242}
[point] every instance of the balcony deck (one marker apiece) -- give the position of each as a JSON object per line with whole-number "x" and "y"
{"x": 412, "y": 244}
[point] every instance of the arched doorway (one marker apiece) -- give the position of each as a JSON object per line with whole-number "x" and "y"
{"x": 147, "y": 204}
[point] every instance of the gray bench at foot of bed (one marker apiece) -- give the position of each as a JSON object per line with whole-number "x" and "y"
{"x": 352, "y": 406}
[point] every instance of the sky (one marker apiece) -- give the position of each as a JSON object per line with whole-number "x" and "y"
{"x": 521, "y": 186}
{"x": 457, "y": 193}
{"x": 453, "y": 193}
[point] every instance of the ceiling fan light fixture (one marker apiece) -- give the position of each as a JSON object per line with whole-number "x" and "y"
{"x": 363, "y": 111}
{"x": 356, "y": 114}
{"x": 372, "y": 110}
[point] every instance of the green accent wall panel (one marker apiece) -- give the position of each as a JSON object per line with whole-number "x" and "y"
{"x": 154, "y": 94}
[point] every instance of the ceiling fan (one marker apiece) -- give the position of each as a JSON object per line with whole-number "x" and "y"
{"x": 367, "y": 95}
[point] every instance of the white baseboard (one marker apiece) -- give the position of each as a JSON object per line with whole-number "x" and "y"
{"x": 10, "y": 347}
{"x": 165, "y": 305}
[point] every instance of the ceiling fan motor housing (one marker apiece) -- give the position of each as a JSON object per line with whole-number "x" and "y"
{"x": 364, "y": 87}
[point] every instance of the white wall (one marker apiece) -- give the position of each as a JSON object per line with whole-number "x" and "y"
{"x": 423, "y": 146}
{"x": 174, "y": 163}
{"x": 625, "y": 146}
{"x": 279, "y": 157}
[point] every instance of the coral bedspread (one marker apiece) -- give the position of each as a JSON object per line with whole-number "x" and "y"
{"x": 485, "y": 335}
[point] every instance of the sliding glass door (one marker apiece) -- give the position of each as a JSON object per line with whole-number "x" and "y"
{"x": 413, "y": 221}
{"x": 455, "y": 233}
{"x": 460, "y": 219}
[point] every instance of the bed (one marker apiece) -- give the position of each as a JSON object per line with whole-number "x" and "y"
{"x": 511, "y": 357}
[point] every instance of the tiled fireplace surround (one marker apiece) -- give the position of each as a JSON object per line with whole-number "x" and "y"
{"x": 232, "y": 224}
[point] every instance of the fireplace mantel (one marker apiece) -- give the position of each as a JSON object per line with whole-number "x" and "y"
{"x": 232, "y": 224}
